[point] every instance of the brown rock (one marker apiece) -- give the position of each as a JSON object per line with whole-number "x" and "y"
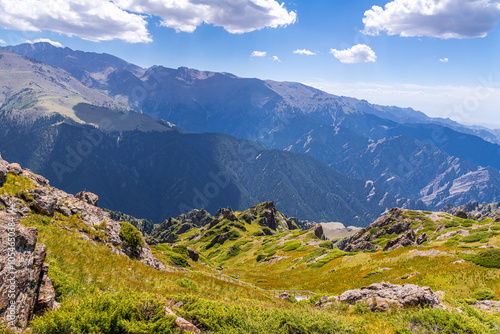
{"x": 88, "y": 197}
{"x": 421, "y": 238}
{"x": 193, "y": 255}
{"x": 318, "y": 231}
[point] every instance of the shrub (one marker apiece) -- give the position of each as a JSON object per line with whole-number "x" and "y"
{"x": 178, "y": 259}
{"x": 260, "y": 257}
{"x": 291, "y": 245}
{"x": 447, "y": 322}
{"x": 461, "y": 214}
{"x": 495, "y": 228}
{"x": 483, "y": 294}
{"x": 475, "y": 237}
{"x": 326, "y": 244}
{"x": 181, "y": 249}
{"x": 188, "y": 284}
{"x": 130, "y": 235}
{"x": 451, "y": 243}
{"x": 489, "y": 258}
{"x": 450, "y": 223}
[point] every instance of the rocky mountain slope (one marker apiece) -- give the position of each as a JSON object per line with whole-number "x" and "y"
{"x": 339, "y": 131}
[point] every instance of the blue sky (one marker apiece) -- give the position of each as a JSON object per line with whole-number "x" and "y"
{"x": 438, "y": 56}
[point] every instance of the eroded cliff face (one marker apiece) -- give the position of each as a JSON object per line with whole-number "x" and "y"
{"x": 25, "y": 287}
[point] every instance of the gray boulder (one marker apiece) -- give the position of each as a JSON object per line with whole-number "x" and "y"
{"x": 391, "y": 294}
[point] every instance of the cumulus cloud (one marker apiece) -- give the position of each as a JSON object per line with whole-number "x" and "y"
{"x": 434, "y": 18}
{"x": 275, "y": 58}
{"x": 443, "y": 60}
{"x": 94, "y": 20}
{"x": 304, "y": 52}
{"x": 104, "y": 20}
{"x": 258, "y": 54}
{"x": 360, "y": 53}
{"x": 2, "y": 41}
{"x": 235, "y": 16}
{"x": 45, "y": 40}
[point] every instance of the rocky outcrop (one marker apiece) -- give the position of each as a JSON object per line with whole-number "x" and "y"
{"x": 3, "y": 171}
{"x": 404, "y": 240}
{"x": 47, "y": 200}
{"x": 267, "y": 216}
{"x": 24, "y": 284}
{"x": 193, "y": 255}
{"x": 381, "y": 296}
{"x": 318, "y": 231}
{"x": 393, "y": 223}
{"x": 88, "y": 197}
{"x": 170, "y": 228}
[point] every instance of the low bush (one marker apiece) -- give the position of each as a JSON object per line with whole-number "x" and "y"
{"x": 476, "y": 237}
{"x": 489, "y": 258}
{"x": 130, "y": 235}
{"x": 107, "y": 313}
{"x": 291, "y": 245}
{"x": 326, "y": 244}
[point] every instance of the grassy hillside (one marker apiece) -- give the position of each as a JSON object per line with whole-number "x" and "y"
{"x": 102, "y": 292}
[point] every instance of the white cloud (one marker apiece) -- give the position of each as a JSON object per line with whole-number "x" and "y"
{"x": 258, "y": 54}
{"x": 46, "y": 40}
{"x": 360, "y": 53}
{"x": 275, "y": 58}
{"x": 94, "y": 20}
{"x": 443, "y": 60}
{"x": 104, "y": 20}
{"x": 235, "y": 16}
{"x": 304, "y": 52}
{"x": 2, "y": 41}
{"x": 434, "y": 18}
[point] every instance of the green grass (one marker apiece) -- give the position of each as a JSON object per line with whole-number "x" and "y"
{"x": 291, "y": 245}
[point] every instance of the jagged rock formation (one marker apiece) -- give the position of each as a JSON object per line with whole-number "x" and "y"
{"x": 395, "y": 222}
{"x": 269, "y": 217}
{"x": 172, "y": 227}
{"x": 47, "y": 200}
{"x": 24, "y": 285}
{"x": 380, "y": 296}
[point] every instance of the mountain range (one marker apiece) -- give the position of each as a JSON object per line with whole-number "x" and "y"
{"x": 430, "y": 161}
{"x": 151, "y": 168}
